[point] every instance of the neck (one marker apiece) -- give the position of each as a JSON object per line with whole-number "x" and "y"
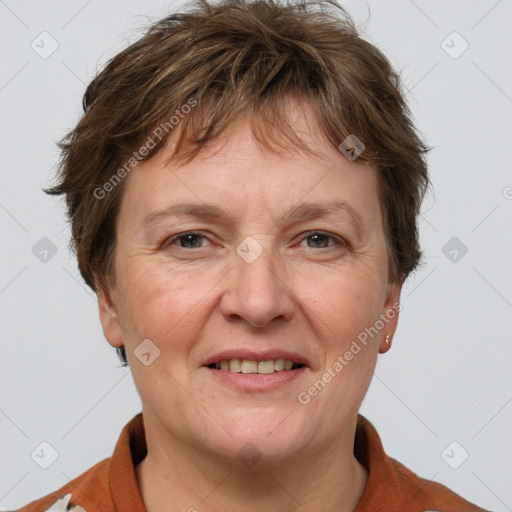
{"x": 176, "y": 477}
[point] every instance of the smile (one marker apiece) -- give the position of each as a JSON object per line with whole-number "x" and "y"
{"x": 251, "y": 366}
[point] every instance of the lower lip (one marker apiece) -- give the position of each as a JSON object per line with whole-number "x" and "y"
{"x": 257, "y": 381}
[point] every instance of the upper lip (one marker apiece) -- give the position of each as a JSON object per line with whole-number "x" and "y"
{"x": 256, "y": 355}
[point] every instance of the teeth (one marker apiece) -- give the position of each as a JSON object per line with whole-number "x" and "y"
{"x": 249, "y": 366}
{"x": 235, "y": 365}
{"x": 266, "y": 367}
{"x": 279, "y": 365}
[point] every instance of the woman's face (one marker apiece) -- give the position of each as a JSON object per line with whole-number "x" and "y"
{"x": 264, "y": 277}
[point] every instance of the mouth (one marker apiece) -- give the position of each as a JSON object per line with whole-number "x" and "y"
{"x": 264, "y": 367}
{"x": 249, "y": 370}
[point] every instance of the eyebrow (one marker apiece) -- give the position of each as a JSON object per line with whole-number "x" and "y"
{"x": 298, "y": 213}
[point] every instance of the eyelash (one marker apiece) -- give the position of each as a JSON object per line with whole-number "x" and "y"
{"x": 171, "y": 240}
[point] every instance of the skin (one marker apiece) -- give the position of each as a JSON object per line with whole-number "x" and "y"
{"x": 303, "y": 294}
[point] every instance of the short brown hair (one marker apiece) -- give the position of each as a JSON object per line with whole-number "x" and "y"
{"x": 233, "y": 57}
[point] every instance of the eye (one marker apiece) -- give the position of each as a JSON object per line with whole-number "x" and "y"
{"x": 188, "y": 240}
{"x": 320, "y": 238}
{"x": 193, "y": 239}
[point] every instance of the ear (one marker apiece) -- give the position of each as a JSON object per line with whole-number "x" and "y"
{"x": 109, "y": 319}
{"x": 390, "y": 313}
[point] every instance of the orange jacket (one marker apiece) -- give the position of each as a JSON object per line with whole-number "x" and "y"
{"x": 111, "y": 485}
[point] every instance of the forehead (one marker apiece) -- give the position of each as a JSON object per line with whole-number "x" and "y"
{"x": 236, "y": 174}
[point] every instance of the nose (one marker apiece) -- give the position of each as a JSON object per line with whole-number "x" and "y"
{"x": 258, "y": 292}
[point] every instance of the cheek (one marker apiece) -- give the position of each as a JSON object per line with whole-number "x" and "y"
{"x": 344, "y": 303}
{"x": 162, "y": 303}
{"x": 351, "y": 305}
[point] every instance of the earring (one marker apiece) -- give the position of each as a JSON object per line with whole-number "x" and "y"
{"x": 387, "y": 339}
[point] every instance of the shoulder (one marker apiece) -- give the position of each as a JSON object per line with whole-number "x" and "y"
{"x": 88, "y": 492}
{"x": 392, "y": 486}
{"x": 421, "y": 494}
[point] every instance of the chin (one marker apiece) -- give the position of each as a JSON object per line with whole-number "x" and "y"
{"x": 268, "y": 435}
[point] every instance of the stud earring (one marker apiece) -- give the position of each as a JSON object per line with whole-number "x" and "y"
{"x": 387, "y": 339}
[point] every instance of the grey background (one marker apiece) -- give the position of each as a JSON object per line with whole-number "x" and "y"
{"x": 448, "y": 375}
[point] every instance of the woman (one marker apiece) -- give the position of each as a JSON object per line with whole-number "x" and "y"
{"x": 243, "y": 190}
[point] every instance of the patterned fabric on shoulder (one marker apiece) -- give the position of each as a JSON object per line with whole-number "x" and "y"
{"x": 62, "y": 505}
